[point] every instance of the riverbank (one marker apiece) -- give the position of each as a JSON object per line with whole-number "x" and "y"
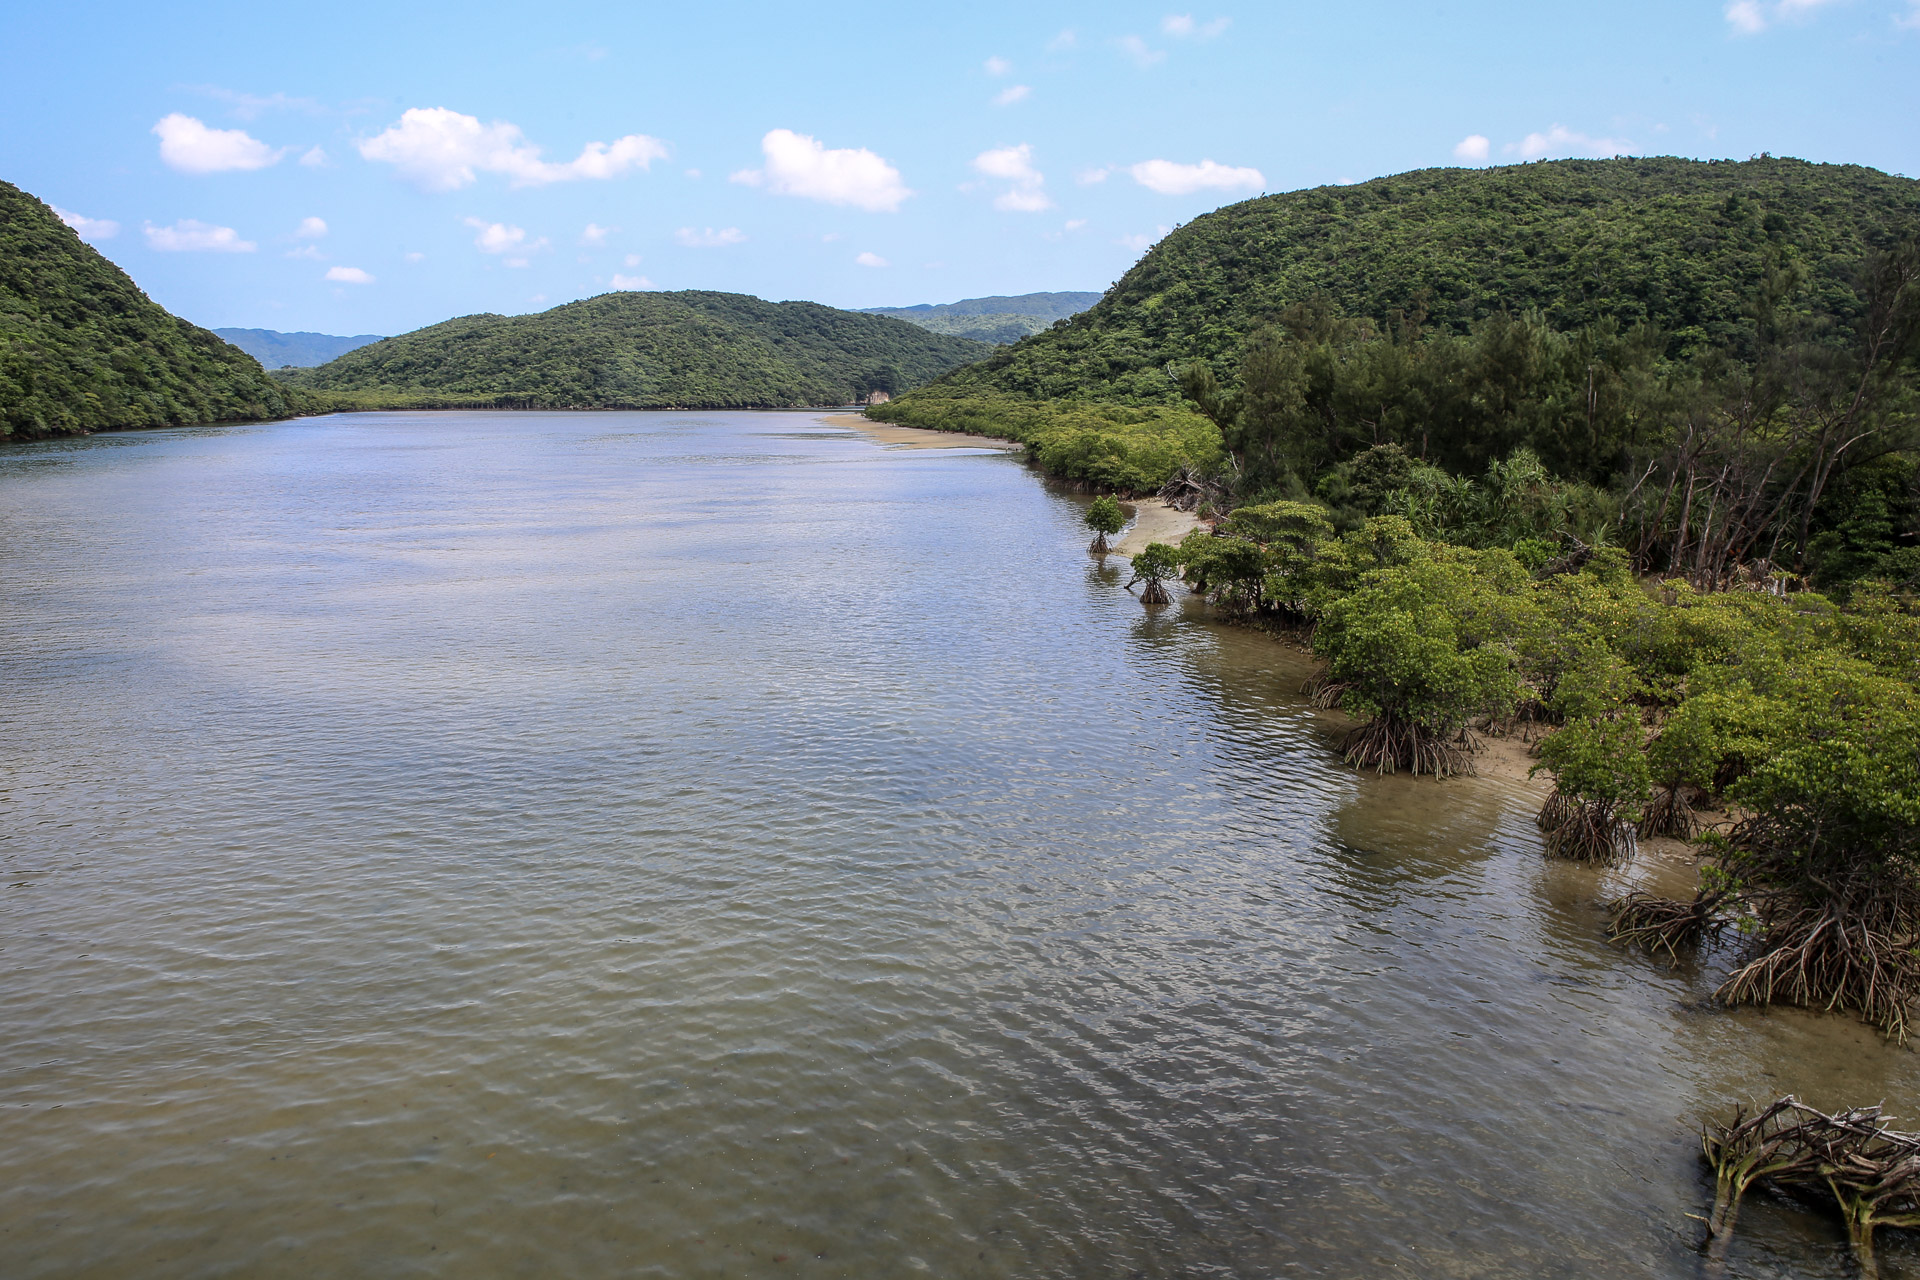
{"x": 888, "y": 434}
{"x": 1154, "y": 521}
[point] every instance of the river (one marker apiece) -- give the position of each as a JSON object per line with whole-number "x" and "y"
{"x": 711, "y": 844}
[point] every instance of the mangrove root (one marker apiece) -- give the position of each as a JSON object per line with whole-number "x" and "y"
{"x": 1819, "y": 956}
{"x": 1663, "y": 924}
{"x": 1388, "y": 744}
{"x": 1668, "y": 815}
{"x": 1585, "y": 832}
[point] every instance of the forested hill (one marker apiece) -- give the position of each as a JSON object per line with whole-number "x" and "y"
{"x": 647, "y": 351}
{"x": 276, "y": 350}
{"x": 82, "y": 349}
{"x": 1682, "y": 244}
{"x": 996, "y": 319}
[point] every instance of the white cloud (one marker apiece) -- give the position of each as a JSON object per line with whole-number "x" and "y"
{"x": 88, "y": 228}
{"x": 1140, "y": 51}
{"x": 348, "y": 275}
{"x": 441, "y": 150}
{"x": 1474, "y": 148}
{"x": 1088, "y": 177}
{"x": 1181, "y": 26}
{"x": 871, "y": 260}
{"x": 515, "y": 262}
{"x": 596, "y": 235}
{"x": 1562, "y": 141}
{"x": 501, "y": 237}
{"x": 310, "y": 229}
{"x": 307, "y": 251}
{"x": 416, "y": 257}
{"x": 1010, "y": 95}
{"x": 1066, "y": 40}
{"x": 997, "y": 66}
{"x": 631, "y": 282}
{"x": 633, "y": 259}
{"x": 193, "y": 236}
{"x": 1172, "y": 179}
{"x": 797, "y": 165}
{"x": 1074, "y": 224}
{"x": 708, "y": 238}
{"x": 313, "y": 157}
{"x": 192, "y": 147}
{"x": 1015, "y": 165}
{"x": 1750, "y": 17}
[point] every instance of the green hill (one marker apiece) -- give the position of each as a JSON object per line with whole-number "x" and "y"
{"x": 1678, "y": 243}
{"x": 999, "y": 320}
{"x": 646, "y": 351}
{"x": 82, "y": 349}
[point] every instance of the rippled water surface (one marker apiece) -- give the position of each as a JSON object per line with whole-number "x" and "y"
{"x": 711, "y": 844}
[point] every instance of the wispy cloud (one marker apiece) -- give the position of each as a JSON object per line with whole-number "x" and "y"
{"x": 1181, "y": 26}
{"x": 1067, "y": 39}
{"x": 1750, "y": 17}
{"x": 630, "y": 282}
{"x": 88, "y": 228}
{"x": 798, "y": 165}
{"x": 708, "y": 238}
{"x": 443, "y": 150}
{"x": 348, "y": 275}
{"x": 1143, "y": 54}
{"x": 1141, "y": 243}
{"x": 1011, "y": 94}
{"x": 1170, "y": 178}
{"x": 594, "y": 235}
{"x": 310, "y": 229}
{"x": 1015, "y": 165}
{"x": 502, "y": 237}
{"x": 1560, "y": 142}
{"x": 249, "y": 106}
{"x": 997, "y": 66}
{"x": 872, "y": 260}
{"x": 190, "y": 146}
{"x": 190, "y": 235}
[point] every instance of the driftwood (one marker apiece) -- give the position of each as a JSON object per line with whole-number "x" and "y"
{"x": 1851, "y": 1160}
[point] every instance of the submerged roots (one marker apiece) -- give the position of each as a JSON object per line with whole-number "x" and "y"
{"x": 1585, "y": 832}
{"x": 1851, "y": 1160}
{"x": 1663, "y": 924}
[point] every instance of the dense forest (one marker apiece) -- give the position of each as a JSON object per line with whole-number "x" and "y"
{"x": 83, "y": 349}
{"x": 999, "y": 320}
{"x": 644, "y": 351}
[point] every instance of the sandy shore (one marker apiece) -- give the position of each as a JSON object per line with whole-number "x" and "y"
{"x": 915, "y": 437}
{"x": 1154, "y": 521}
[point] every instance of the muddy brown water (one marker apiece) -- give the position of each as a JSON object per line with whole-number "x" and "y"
{"x": 714, "y": 845}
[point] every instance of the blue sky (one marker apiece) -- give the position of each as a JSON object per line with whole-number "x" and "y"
{"x": 373, "y": 168}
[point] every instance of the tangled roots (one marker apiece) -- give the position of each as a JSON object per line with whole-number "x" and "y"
{"x": 1388, "y": 744}
{"x": 1668, "y": 815}
{"x": 1816, "y": 956}
{"x": 1585, "y": 832}
{"x": 1663, "y": 924}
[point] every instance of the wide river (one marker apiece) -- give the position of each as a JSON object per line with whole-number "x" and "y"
{"x": 594, "y": 845}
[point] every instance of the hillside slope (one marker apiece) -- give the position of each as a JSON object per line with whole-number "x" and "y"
{"x": 647, "y": 351}
{"x": 1000, "y": 320}
{"x": 276, "y": 350}
{"x": 83, "y": 349}
{"x": 1683, "y": 244}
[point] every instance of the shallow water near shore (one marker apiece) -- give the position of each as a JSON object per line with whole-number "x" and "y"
{"x": 656, "y": 844}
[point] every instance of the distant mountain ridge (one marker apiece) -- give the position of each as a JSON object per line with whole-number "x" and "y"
{"x": 635, "y": 350}
{"x": 275, "y": 350}
{"x": 999, "y": 320}
{"x": 83, "y": 349}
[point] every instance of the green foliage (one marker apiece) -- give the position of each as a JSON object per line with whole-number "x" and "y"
{"x": 690, "y": 349}
{"x": 1104, "y": 516}
{"x": 82, "y": 349}
{"x": 1127, "y": 449}
{"x": 1597, "y": 761}
{"x": 1672, "y": 244}
{"x": 1156, "y": 563}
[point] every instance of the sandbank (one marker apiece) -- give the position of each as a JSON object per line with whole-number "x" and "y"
{"x": 915, "y": 437}
{"x": 1154, "y": 521}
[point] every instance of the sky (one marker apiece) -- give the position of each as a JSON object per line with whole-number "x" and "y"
{"x": 373, "y": 168}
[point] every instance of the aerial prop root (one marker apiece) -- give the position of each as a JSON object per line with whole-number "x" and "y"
{"x": 1388, "y": 743}
{"x": 1665, "y": 924}
{"x": 1585, "y": 831}
{"x": 1819, "y": 956}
